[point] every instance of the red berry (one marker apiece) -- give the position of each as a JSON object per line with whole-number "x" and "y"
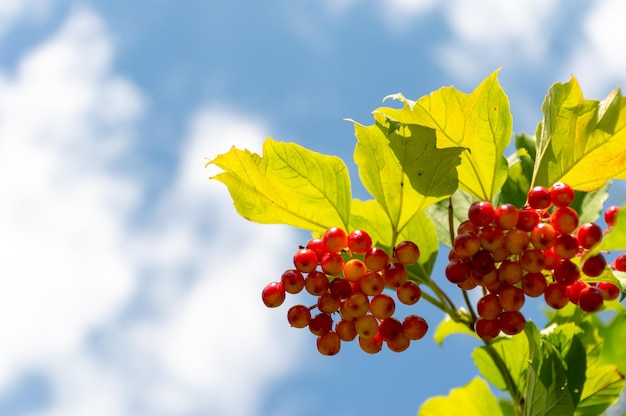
{"x": 467, "y": 227}
{"x": 395, "y": 274}
{"x": 328, "y": 303}
{"x": 401, "y": 343}
{"x": 510, "y": 271}
{"x": 482, "y": 263}
{"x": 507, "y": 216}
{"x": 488, "y": 307}
{"x": 466, "y": 245}
{"x": 512, "y": 322}
{"x": 556, "y": 295}
{"x": 610, "y": 215}
{"x": 305, "y": 260}
{"x": 562, "y": 194}
{"x": 371, "y": 345}
{"x": 316, "y": 283}
{"x": 458, "y": 270}
{"x": 292, "y": 281}
{"x": 273, "y": 295}
{"x": 357, "y": 304}
{"x": 320, "y": 324}
{"x": 390, "y": 329}
{"x": 487, "y": 328}
{"x": 620, "y": 262}
{"x": 407, "y": 253}
{"x": 594, "y": 266}
{"x": 539, "y": 197}
{"x": 335, "y": 239}
{"x": 589, "y": 234}
{"x": 354, "y": 270}
{"x": 414, "y": 327}
{"x": 564, "y": 220}
{"x": 359, "y": 241}
{"x": 318, "y": 246}
{"x": 566, "y": 272}
{"x": 346, "y": 330}
{"x": 491, "y": 238}
{"x": 516, "y": 241}
{"x": 528, "y": 219}
{"x": 329, "y": 343}
{"x": 534, "y": 284}
{"x": 376, "y": 259}
{"x": 533, "y": 261}
{"x": 543, "y": 236}
{"x": 481, "y": 213}
{"x": 573, "y": 291}
{"x": 332, "y": 263}
{"x": 409, "y": 293}
{"x": 609, "y": 290}
{"x": 299, "y": 316}
{"x": 382, "y": 306}
{"x": 590, "y": 299}
{"x": 366, "y": 326}
{"x": 372, "y": 284}
{"x": 340, "y": 288}
{"x": 565, "y": 246}
{"x": 511, "y": 298}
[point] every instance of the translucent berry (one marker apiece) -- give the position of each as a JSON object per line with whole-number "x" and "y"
{"x": 273, "y": 295}
{"x": 539, "y": 197}
{"x": 481, "y": 213}
{"x": 335, "y": 239}
{"x": 359, "y": 241}
{"x": 407, "y": 253}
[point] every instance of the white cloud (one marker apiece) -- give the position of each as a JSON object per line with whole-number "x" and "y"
{"x": 490, "y": 33}
{"x": 64, "y": 267}
{"x": 11, "y": 11}
{"x": 73, "y": 265}
{"x": 599, "y": 62}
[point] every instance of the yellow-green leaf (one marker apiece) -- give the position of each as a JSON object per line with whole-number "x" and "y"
{"x": 288, "y": 185}
{"x": 403, "y": 170}
{"x": 581, "y": 142}
{"x": 479, "y": 122}
{"x": 474, "y": 399}
{"x": 449, "y": 327}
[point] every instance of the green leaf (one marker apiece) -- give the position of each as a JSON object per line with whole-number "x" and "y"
{"x": 614, "y": 335}
{"x": 547, "y": 387}
{"x": 403, "y": 169}
{"x": 576, "y": 366}
{"x": 603, "y": 387}
{"x": 288, "y": 185}
{"x": 449, "y": 327}
{"x": 577, "y": 136}
{"x": 439, "y": 214}
{"x": 514, "y": 352}
{"x": 474, "y": 399}
{"x": 479, "y": 122}
{"x": 521, "y": 164}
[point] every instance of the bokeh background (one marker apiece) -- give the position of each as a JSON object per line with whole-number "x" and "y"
{"x": 129, "y": 284}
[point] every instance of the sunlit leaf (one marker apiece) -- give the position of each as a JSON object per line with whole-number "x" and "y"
{"x": 403, "y": 170}
{"x": 449, "y": 327}
{"x": 370, "y": 216}
{"x": 581, "y": 142}
{"x": 474, "y": 399}
{"x": 614, "y": 335}
{"x": 287, "y": 185}
{"x": 514, "y": 352}
{"x": 589, "y": 204}
{"x": 480, "y": 122}
{"x": 603, "y": 387}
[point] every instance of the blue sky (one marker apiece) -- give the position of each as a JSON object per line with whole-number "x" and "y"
{"x": 130, "y": 285}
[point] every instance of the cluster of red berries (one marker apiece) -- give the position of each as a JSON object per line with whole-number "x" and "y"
{"x": 348, "y": 276}
{"x": 533, "y": 251}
